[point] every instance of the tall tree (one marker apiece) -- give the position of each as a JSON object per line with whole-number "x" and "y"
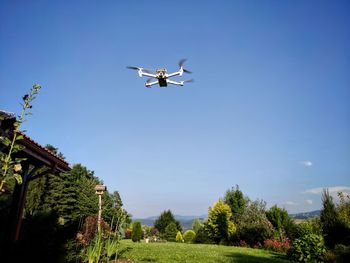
{"x": 219, "y": 224}
{"x": 70, "y": 195}
{"x": 235, "y": 199}
{"x": 334, "y": 229}
{"x": 113, "y": 209}
{"x": 136, "y": 232}
{"x": 279, "y": 218}
{"x": 164, "y": 220}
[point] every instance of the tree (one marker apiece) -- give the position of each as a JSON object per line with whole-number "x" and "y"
{"x": 136, "y": 232}
{"x": 179, "y": 237}
{"x": 236, "y": 201}
{"x": 112, "y": 209}
{"x": 279, "y": 218}
{"x": 54, "y": 150}
{"x": 164, "y": 220}
{"x": 70, "y": 195}
{"x": 334, "y": 229}
{"x": 170, "y": 232}
{"x": 219, "y": 224}
{"x": 196, "y": 225}
{"x": 254, "y": 227}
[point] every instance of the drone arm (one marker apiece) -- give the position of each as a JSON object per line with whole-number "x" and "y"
{"x": 141, "y": 73}
{"x": 149, "y": 84}
{"x": 178, "y": 83}
{"x": 178, "y": 73}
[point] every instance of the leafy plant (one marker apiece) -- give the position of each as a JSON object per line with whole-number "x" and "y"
{"x": 93, "y": 252}
{"x": 309, "y": 248}
{"x": 11, "y": 168}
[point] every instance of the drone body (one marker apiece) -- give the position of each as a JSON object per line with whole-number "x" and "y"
{"x": 161, "y": 77}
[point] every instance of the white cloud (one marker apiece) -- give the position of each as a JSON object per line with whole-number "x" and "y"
{"x": 309, "y": 201}
{"x": 307, "y": 163}
{"x": 331, "y": 190}
{"x": 290, "y": 203}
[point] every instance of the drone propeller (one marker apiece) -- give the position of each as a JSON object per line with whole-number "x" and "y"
{"x": 190, "y": 80}
{"x": 135, "y": 68}
{"x": 143, "y": 69}
{"x": 181, "y": 63}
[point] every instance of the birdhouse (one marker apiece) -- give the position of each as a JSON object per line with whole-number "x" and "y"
{"x": 100, "y": 189}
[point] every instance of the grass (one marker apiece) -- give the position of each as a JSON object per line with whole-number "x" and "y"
{"x": 195, "y": 253}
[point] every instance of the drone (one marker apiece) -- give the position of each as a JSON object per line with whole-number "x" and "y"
{"x": 161, "y": 77}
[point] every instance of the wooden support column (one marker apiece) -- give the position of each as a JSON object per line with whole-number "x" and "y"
{"x": 18, "y": 202}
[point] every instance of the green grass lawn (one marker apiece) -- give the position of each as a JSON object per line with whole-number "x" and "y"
{"x": 195, "y": 253}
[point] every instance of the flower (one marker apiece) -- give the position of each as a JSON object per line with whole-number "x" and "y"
{"x": 17, "y": 167}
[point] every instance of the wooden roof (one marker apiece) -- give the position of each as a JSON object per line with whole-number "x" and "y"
{"x": 36, "y": 153}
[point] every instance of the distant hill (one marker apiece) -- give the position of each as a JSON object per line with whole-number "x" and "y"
{"x": 185, "y": 221}
{"x": 306, "y": 215}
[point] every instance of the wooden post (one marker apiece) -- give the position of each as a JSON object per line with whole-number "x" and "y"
{"x": 99, "y": 213}
{"x": 99, "y": 191}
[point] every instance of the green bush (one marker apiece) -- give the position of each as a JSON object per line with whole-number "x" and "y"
{"x": 202, "y": 236}
{"x": 179, "y": 237}
{"x": 309, "y": 248}
{"x": 310, "y": 226}
{"x": 189, "y": 236}
{"x": 136, "y": 234}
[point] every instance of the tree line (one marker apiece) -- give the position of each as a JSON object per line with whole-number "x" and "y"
{"x": 237, "y": 220}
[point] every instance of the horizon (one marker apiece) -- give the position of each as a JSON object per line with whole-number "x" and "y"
{"x": 268, "y": 109}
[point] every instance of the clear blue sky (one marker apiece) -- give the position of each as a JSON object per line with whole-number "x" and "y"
{"x": 269, "y": 109}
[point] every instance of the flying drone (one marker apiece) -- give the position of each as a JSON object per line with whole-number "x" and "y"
{"x": 161, "y": 77}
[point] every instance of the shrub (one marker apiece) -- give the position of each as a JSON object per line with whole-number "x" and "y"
{"x": 202, "y": 236}
{"x": 179, "y": 237}
{"x": 242, "y": 243}
{"x": 189, "y": 236}
{"x": 171, "y": 232}
{"x": 309, "y": 248}
{"x": 310, "y": 226}
{"x": 136, "y": 234}
{"x": 254, "y": 227}
{"x": 276, "y": 245}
